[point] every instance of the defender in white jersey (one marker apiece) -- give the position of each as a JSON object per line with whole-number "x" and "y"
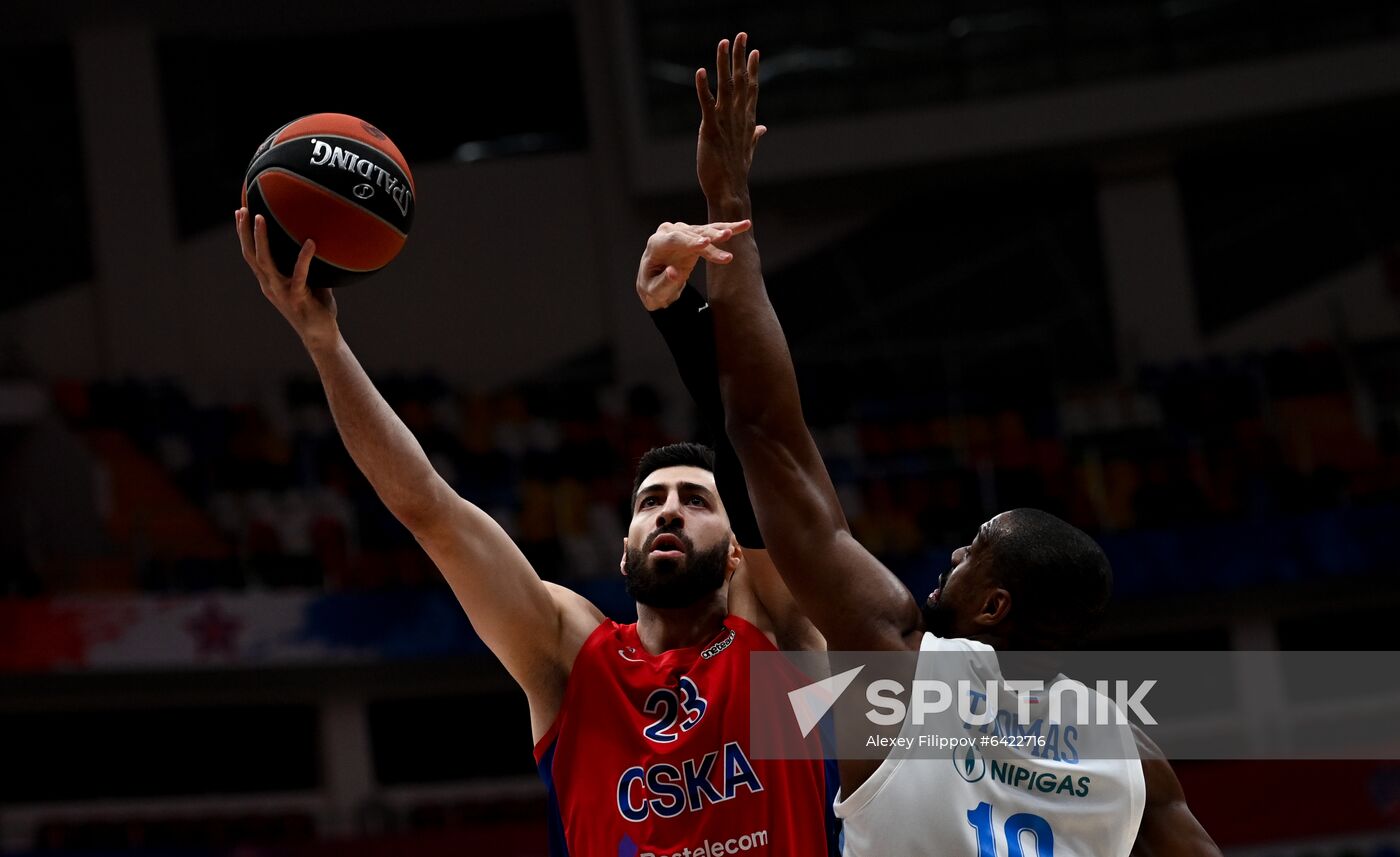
{"x": 1070, "y": 802}
{"x": 1028, "y": 581}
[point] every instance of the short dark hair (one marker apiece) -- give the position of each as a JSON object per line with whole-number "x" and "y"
{"x": 672, "y": 455}
{"x": 1059, "y": 578}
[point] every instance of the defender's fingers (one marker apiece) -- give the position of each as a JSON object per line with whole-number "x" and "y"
{"x": 751, "y": 85}
{"x": 683, "y": 237}
{"x": 723, "y": 71}
{"x": 703, "y": 94}
{"x": 716, "y": 255}
{"x": 716, "y": 234}
{"x": 739, "y": 59}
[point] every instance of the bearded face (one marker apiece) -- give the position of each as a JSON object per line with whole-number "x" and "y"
{"x": 667, "y": 571}
{"x": 679, "y": 548}
{"x": 940, "y": 618}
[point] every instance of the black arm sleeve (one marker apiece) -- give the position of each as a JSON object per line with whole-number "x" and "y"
{"x": 688, "y": 329}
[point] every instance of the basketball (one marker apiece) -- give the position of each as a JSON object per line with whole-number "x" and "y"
{"x": 339, "y": 181}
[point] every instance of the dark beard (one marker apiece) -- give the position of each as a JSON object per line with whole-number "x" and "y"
{"x": 939, "y": 618}
{"x": 662, "y": 584}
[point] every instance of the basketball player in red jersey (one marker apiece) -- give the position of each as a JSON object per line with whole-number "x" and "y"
{"x": 641, "y": 730}
{"x": 1028, "y": 581}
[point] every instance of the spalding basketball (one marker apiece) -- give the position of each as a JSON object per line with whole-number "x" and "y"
{"x": 339, "y": 181}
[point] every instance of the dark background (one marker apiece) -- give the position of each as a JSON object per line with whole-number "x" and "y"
{"x": 1134, "y": 262}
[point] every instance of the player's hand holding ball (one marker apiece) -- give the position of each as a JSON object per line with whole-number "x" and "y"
{"x": 327, "y": 197}
{"x": 311, "y": 312}
{"x": 339, "y": 181}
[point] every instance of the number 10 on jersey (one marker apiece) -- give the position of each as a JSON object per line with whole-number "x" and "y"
{"x": 1022, "y": 822}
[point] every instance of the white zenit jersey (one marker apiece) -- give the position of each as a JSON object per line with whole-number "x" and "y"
{"x": 1056, "y": 798}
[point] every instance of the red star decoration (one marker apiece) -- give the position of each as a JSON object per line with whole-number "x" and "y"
{"x": 214, "y": 631}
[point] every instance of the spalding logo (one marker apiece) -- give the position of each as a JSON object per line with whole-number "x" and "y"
{"x": 323, "y": 153}
{"x": 363, "y": 191}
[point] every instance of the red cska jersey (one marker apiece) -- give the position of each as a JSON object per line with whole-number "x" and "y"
{"x": 649, "y": 757}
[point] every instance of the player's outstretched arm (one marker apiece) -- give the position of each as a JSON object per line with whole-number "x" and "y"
{"x": 852, "y": 598}
{"x": 1168, "y": 828}
{"x": 535, "y": 628}
{"x": 756, "y": 592}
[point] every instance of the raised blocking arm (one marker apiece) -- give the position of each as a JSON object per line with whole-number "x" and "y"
{"x": 854, "y": 600}
{"x": 683, "y": 318}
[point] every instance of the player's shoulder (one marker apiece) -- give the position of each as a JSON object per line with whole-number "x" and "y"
{"x": 579, "y": 619}
{"x": 740, "y": 634}
{"x": 745, "y": 627}
{"x": 1159, "y": 780}
{"x": 931, "y": 642}
{"x": 574, "y": 606}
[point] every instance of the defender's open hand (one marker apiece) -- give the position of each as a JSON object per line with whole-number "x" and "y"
{"x": 672, "y": 253}
{"x": 728, "y": 133}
